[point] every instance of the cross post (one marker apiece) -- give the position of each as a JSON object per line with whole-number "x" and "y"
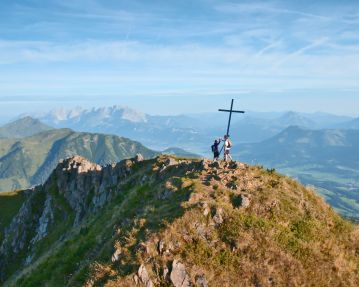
{"x": 230, "y": 115}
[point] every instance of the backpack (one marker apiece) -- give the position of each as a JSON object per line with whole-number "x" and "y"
{"x": 213, "y": 148}
{"x": 229, "y": 144}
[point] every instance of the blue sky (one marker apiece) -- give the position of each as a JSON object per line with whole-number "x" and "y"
{"x": 273, "y": 55}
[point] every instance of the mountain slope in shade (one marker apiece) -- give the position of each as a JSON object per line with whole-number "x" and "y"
{"x": 171, "y": 222}
{"x": 353, "y": 124}
{"x": 29, "y": 161}
{"x": 23, "y": 127}
{"x": 327, "y": 159}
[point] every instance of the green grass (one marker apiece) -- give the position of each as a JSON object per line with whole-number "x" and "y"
{"x": 10, "y": 203}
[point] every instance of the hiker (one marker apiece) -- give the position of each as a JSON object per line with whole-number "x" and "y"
{"x": 215, "y": 149}
{"x": 227, "y": 148}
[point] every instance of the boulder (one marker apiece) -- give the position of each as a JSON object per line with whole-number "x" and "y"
{"x": 144, "y": 277}
{"x": 245, "y": 201}
{"x": 139, "y": 157}
{"x": 171, "y": 161}
{"x": 218, "y": 217}
{"x": 116, "y": 255}
{"x": 179, "y": 276}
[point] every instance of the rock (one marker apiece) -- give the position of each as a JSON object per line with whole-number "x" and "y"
{"x": 218, "y": 217}
{"x": 139, "y": 157}
{"x": 206, "y": 209}
{"x": 166, "y": 273}
{"x": 116, "y": 255}
{"x": 28, "y": 259}
{"x": 201, "y": 230}
{"x": 144, "y": 277}
{"x": 201, "y": 281}
{"x": 78, "y": 163}
{"x": 136, "y": 279}
{"x": 179, "y": 277}
{"x": 46, "y": 218}
{"x": 204, "y": 164}
{"x": 171, "y": 161}
{"x": 245, "y": 201}
{"x": 160, "y": 247}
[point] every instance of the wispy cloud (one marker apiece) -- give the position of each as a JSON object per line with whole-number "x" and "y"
{"x": 92, "y": 46}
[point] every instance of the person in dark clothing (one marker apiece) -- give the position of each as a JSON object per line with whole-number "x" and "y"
{"x": 215, "y": 149}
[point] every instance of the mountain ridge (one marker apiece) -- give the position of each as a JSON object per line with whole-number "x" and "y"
{"x": 327, "y": 159}
{"x": 25, "y": 162}
{"x": 23, "y": 127}
{"x": 175, "y": 222}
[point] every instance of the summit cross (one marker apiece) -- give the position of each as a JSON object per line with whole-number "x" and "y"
{"x": 230, "y": 115}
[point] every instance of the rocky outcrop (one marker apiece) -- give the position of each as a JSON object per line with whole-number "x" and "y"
{"x": 47, "y": 217}
{"x": 75, "y": 189}
{"x": 144, "y": 277}
{"x": 179, "y": 276}
{"x": 176, "y": 223}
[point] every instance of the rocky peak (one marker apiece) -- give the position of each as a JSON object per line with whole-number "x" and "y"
{"x": 78, "y": 164}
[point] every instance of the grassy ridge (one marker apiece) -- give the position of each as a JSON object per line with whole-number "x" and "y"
{"x": 285, "y": 236}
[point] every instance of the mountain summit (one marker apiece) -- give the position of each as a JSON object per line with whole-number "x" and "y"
{"x": 173, "y": 222}
{"x": 23, "y": 127}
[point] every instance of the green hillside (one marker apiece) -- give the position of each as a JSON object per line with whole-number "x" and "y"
{"x": 23, "y": 127}
{"x": 326, "y": 159}
{"x": 171, "y": 222}
{"x": 29, "y": 161}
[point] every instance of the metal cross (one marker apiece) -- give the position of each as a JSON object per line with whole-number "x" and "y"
{"x": 230, "y": 115}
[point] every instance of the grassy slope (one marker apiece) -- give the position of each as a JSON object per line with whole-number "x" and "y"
{"x": 23, "y": 158}
{"x": 22, "y": 128}
{"x": 326, "y": 159}
{"x": 286, "y": 237}
{"x": 10, "y": 203}
{"x": 29, "y": 161}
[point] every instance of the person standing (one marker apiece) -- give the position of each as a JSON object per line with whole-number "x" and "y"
{"x": 215, "y": 149}
{"x": 227, "y": 148}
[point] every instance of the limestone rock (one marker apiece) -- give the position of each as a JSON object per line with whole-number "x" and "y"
{"x": 171, "y": 161}
{"x": 139, "y": 157}
{"x": 245, "y": 201}
{"x": 116, "y": 255}
{"x": 218, "y": 217}
{"x": 144, "y": 277}
{"x": 201, "y": 281}
{"x": 179, "y": 276}
{"x": 166, "y": 273}
{"x": 46, "y": 218}
{"x": 160, "y": 246}
{"x": 78, "y": 164}
{"x": 206, "y": 209}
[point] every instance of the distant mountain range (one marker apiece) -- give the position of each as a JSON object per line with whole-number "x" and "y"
{"x": 193, "y": 132}
{"x": 29, "y": 161}
{"x": 327, "y": 159}
{"x": 319, "y": 149}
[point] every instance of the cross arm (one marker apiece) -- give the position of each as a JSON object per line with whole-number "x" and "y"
{"x": 222, "y": 110}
